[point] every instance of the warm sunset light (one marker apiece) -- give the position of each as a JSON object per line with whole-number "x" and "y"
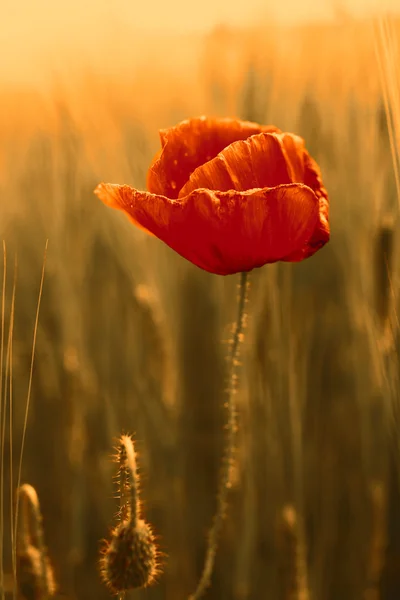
{"x": 199, "y": 390}
{"x": 44, "y": 36}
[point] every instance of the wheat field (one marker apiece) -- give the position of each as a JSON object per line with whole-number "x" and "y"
{"x": 129, "y": 338}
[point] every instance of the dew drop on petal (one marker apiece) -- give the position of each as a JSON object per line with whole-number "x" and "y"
{"x": 173, "y": 185}
{"x": 175, "y": 162}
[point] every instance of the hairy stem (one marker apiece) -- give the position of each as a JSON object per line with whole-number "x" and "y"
{"x": 129, "y": 480}
{"x": 226, "y": 473}
{"x": 128, "y": 485}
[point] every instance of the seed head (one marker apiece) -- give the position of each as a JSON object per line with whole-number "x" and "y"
{"x": 129, "y": 559}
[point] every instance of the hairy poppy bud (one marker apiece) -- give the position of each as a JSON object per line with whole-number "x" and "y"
{"x": 130, "y": 558}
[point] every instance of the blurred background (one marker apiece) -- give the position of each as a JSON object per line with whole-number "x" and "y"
{"x": 132, "y": 338}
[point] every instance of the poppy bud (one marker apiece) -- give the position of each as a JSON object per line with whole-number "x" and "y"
{"x": 130, "y": 558}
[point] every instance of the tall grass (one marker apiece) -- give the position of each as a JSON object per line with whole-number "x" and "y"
{"x": 131, "y": 338}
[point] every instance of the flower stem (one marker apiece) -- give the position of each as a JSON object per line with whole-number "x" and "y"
{"x": 225, "y": 482}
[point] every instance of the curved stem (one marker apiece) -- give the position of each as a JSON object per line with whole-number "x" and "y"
{"x": 225, "y": 481}
{"x": 128, "y": 480}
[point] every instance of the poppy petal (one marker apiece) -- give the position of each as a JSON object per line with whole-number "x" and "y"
{"x": 223, "y": 232}
{"x": 258, "y": 162}
{"x": 313, "y": 179}
{"x": 294, "y": 147}
{"x": 192, "y": 143}
{"x": 118, "y": 196}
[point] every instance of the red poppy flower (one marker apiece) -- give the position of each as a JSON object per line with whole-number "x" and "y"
{"x": 230, "y": 195}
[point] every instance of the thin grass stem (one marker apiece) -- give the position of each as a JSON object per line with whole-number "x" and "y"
{"x": 3, "y": 304}
{"x": 35, "y": 330}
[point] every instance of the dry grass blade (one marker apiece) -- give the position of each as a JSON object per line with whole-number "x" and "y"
{"x": 292, "y": 556}
{"x": 9, "y": 377}
{"x": 378, "y": 540}
{"x": 387, "y": 54}
{"x": 29, "y": 396}
{"x": 3, "y": 302}
{"x": 6, "y": 393}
